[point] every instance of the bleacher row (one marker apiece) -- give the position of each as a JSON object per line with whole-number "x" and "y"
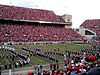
{"x": 10, "y": 32}
{"x": 28, "y": 32}
{"x": 20, "y": 13}
{"x": 93, "y": 25}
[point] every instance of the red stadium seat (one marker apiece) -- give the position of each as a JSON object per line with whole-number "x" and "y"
{"x": 27, "y": 32}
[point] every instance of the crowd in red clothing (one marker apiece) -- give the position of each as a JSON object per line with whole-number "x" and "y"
{"x": 71, "y": 69}
{"x": 30, "y": 32}
{"x": 12, "y": 28}
{"x": 80, "y": 65}
{"x": 21, "y": 13}
{"x": 93, "y": 25}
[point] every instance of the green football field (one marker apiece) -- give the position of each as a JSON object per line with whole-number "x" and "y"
{"x": 34, "y": 60}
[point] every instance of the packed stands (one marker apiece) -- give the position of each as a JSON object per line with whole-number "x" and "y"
{"x": 30, "y": 32}
{"x": 20, "y": 13}
{"x": 27, "y": 24}
{"x": 93, "y": 25}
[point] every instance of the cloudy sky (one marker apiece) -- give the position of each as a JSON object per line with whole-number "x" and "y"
{"x": 79, "y": 9}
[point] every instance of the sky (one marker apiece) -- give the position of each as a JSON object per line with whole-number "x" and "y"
{"x": 80, "y": 10}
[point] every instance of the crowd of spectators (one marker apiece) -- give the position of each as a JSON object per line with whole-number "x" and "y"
{"x": 21, "y": 13}
{"x": 93, "y": 25}
{"x": 16, "y": 31}
{"x": 86, "y": 69}
{"x": 30, "y": 32}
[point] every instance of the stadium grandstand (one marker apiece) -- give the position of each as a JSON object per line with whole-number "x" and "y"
{"x": 39, "y": 42}
{"x": 90, "y": 29}
{"x": 19, "y": 24}
{"x": 93, "y": 25}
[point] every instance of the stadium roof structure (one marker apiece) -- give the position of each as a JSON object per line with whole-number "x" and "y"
{"x": 93, "y": 24}
{"x": 30, "y": 15}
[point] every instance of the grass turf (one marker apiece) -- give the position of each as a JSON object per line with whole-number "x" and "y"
{"x": 50, "y": 47}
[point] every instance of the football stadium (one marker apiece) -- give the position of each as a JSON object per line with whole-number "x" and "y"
{"x": 39, "y": 42}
